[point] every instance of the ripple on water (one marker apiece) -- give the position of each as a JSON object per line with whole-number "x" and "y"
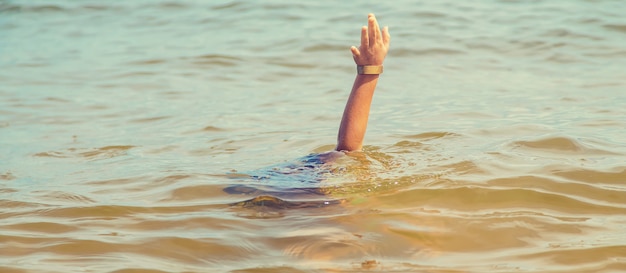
{"x": 497, "y": 199}
{"x": 89, "y": 153}
{"x": 592, "y": 193}
{"x": 7, "y": 176}
{"x": 63, "y": 197}
{"x": 616, "y": 28}
{"x": 615, "y": 177}
{"x": 426, "y": 52}
{"x": 559, "y": 145}
{"x": 592, "y": 258}
{"x": 40, "y": 227}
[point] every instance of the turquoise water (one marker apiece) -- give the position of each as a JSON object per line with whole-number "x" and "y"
{"x": 131, "y": 134}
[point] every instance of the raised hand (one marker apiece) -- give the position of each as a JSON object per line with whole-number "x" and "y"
{"x": 374, "y": 43}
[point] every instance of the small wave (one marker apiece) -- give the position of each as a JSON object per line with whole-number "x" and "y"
{"x": 171, "y": 5}
{"x": 584, "y": 255}
{"x": 432, "y": 135}
{"x": 117, "y": 211}
{"x": 603, "y": 123}
{"x": 213, "y": 60}
{"x": 562, "y": 32}
{"x": 405, "y": 144}
{"x": 590, "y": 191}
{"x": 106, "y": 152}
{"x": 195, "y": 192}
{"x": 429, "y": 14}
{"x": 325, "y": 47}
{"x": 138, "y": 270}
{"x": 65, "y": 197}
{"x": 232, "y": 5}
{"x": 41, "y": 227}
{"x": 94, "y": 153}
{"x": 616, "y": 28}
{"x": 91, "y": 212}
{"x": 319, "y": 244}
{"x": 616, "y": 177}
{"x": 148, "y": 120}
{"x": 148, "y": 62}
{"x": 562, "y": 58}
{"x": 607, "y": 53}
{"x": 559, "y": 144}
{"x": 134, "y": 74}
{"x": 465, "y": 167}
{"x": 7, "y": 176}
{"x": 404, "y": 52}
{"x": 5, "y": 7}
{"x": 18, "y": 206}
{"x": 292, "y": 64}
{"x": 211, "y": 128}
{"x": 471, "y": 198}
{"x": 26, "y": 7}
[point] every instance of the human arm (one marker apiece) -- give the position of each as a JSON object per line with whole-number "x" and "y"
{"x": 372, "y": 51}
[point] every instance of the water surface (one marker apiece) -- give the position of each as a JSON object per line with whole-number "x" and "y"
{"x": 156, "y": 136}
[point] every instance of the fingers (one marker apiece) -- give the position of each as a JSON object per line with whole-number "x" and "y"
{"x": 386, "y": 37}
{"x": 374, "y": 31}
{"x": 364, "y": 38}
{"x": 374, "y": 43}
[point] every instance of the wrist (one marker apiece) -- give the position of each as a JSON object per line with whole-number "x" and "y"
{"x": 369, "y": 69}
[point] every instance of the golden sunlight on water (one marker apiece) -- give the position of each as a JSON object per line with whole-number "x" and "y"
{"x": 152, "y": 136}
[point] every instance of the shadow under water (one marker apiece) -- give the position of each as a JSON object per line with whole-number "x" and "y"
{"x": 295, "y": 184}
{"x": 318, "y": 180}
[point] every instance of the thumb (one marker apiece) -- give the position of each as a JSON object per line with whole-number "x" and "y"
{"x": 355, "y": 52}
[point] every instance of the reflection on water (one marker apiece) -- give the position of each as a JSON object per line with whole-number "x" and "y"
{"x": 186, "y": 136}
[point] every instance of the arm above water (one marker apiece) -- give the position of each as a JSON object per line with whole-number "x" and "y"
{"x": 371, "y": 52}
